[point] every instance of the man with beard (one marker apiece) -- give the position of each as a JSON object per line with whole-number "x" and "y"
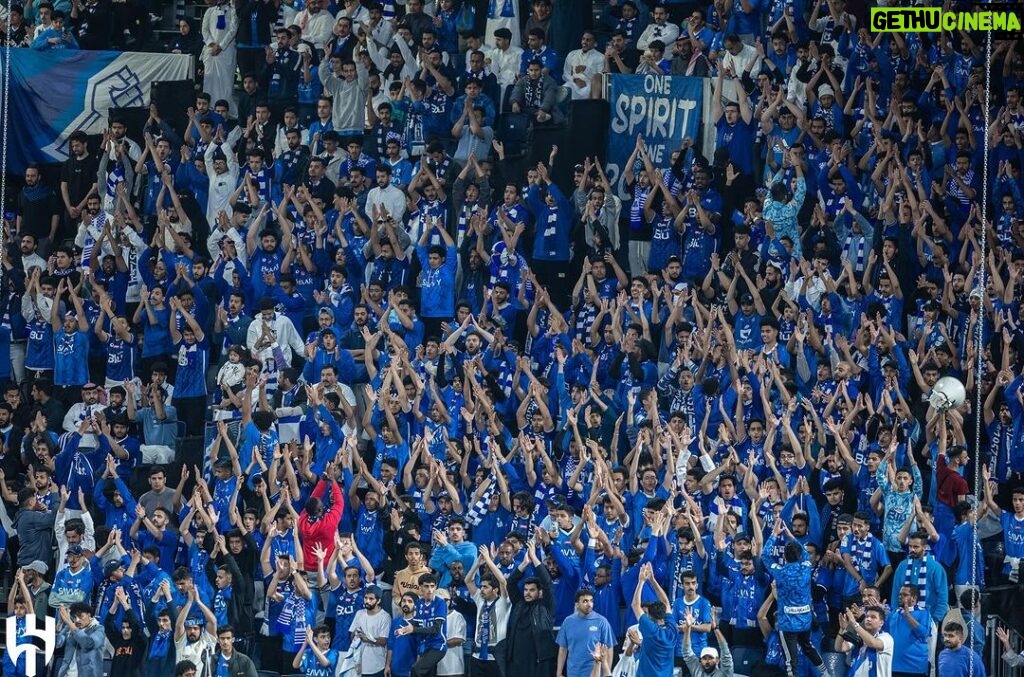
{"x": 194, "y": 641}
{"x": 346, "y": 599}
{"x": 28, "y": 247}
{"x": 77, "y": 177}
{"x": 385, "y": 195}
{"x": 530, "y": 645}
{"x": 493, "y": 607}
{"x": 37, "y": 209}
{"x": 709, "y": 664}
{"x": 401, "y": 652}
{"x": 429, "y": 626}
{"x": 371, "y": 626}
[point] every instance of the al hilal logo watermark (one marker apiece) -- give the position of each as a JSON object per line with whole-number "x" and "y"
{"x": 48, "y": 633}
{"x": 1003, "y": 20}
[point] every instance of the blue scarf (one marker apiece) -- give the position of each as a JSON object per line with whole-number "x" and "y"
{"x": 484, "y": 631}
{"x": 159, "y": 644}
{"x": 917, "y": 576}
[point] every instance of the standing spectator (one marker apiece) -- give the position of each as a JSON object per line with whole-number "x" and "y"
{"x": 958, "y": 659}
{"x": 659, "y": 635}
{"x": 910, "y": 627}
{"x": 577, "y": 635}
{"x": 254, "y": 20}
{"x": 317, "y": 522}
{"x": 220, "y": 26}
{"x": 345, "y": 82}
{"x": 873, "y": 651}
{"x": 93, "y": 23}
{"x": 371, "y": 626}
{"x": 493, "y": 607}
{"x": 429, "y": 625}
{"x": 581, "y": 67}
{"x": 228, "y": 660}
{"x": 83, "y": 640}
{"x": 38, "y": 213}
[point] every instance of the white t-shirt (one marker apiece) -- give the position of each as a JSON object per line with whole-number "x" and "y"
{"x": 194, "y": 652}
{"x": 876, "y": 662}
{"x": 454, "y": 662}
{"x": 371, "y": 657}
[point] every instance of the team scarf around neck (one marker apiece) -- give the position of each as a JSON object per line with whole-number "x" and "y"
{"x": 917, "y": 576}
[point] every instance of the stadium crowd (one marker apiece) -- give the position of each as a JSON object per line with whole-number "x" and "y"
{"x": 328, "y": 381}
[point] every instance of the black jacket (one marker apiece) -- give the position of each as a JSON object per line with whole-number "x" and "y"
{"x": 540, "y": 636}
{"x": 264, "y": 13}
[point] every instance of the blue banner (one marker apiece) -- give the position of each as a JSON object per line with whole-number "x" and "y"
{"x": 54, "y": 93}
{"x": 663, "y": 109}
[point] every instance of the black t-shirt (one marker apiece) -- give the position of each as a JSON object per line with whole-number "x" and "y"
{"x": 37, "y": 206}
{"x": 630, "y": 58}
{"x": 79, "y": 175}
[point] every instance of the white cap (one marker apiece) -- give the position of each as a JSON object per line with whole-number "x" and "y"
{"x": 709, "y": 651}
{"x": 826, "y": 90}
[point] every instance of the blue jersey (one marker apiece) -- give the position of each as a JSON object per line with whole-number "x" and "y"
{"x": 369, "y": 535}
{"x": 69, "y": 586}
{"x": 428, "y": 613}
{"x": 71, "y": 358}
{"x": 1013, "y": 537}
{"x": 345, "y": 604}
{"x": 665, "y": 242}
{"x": 403, "y": 649}
{"x": 701, "y": 610}
{"x": 39, "y": 350}
{"x": 120, "y": 358}
{"x": 698, "y": 246}
{"x": 156, "y": 335}
{"x": 656, "y": 655}
{"x": 793, "y": 588}
{"x": 311, "y": 666}
{"x": 190, "y": 378}
{"x": 437, "y": 297}
{"x": 747, "y": 331}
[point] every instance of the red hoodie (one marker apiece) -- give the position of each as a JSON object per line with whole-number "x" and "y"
{"x": 320, "y": 530}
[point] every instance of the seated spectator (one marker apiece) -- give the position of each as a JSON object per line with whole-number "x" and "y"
{"x": 536, "y": 94}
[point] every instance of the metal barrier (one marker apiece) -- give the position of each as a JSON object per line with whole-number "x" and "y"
{"x": 994, "y": 663}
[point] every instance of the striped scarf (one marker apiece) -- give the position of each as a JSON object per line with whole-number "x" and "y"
{"x": 522, "y": 525}
{"x": 476, "y": 512}
{"x": 294, "y": 614}
{"x": 865, "y": 656}
{"x": 466, "y": 212}
{"x": 114, "y": 177}
{"x": 636, "y": 208}
{"x": 855, "y": 250}
{"x": 917, "y": 576}
{"x": 262, "y": 181}
{"x": 586, "y": 314}
{"x": 389, "y": 9}
{"x": 683, "y": 563}
{"x": 861, "y": 554}
{"x": 95, "y": 225}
